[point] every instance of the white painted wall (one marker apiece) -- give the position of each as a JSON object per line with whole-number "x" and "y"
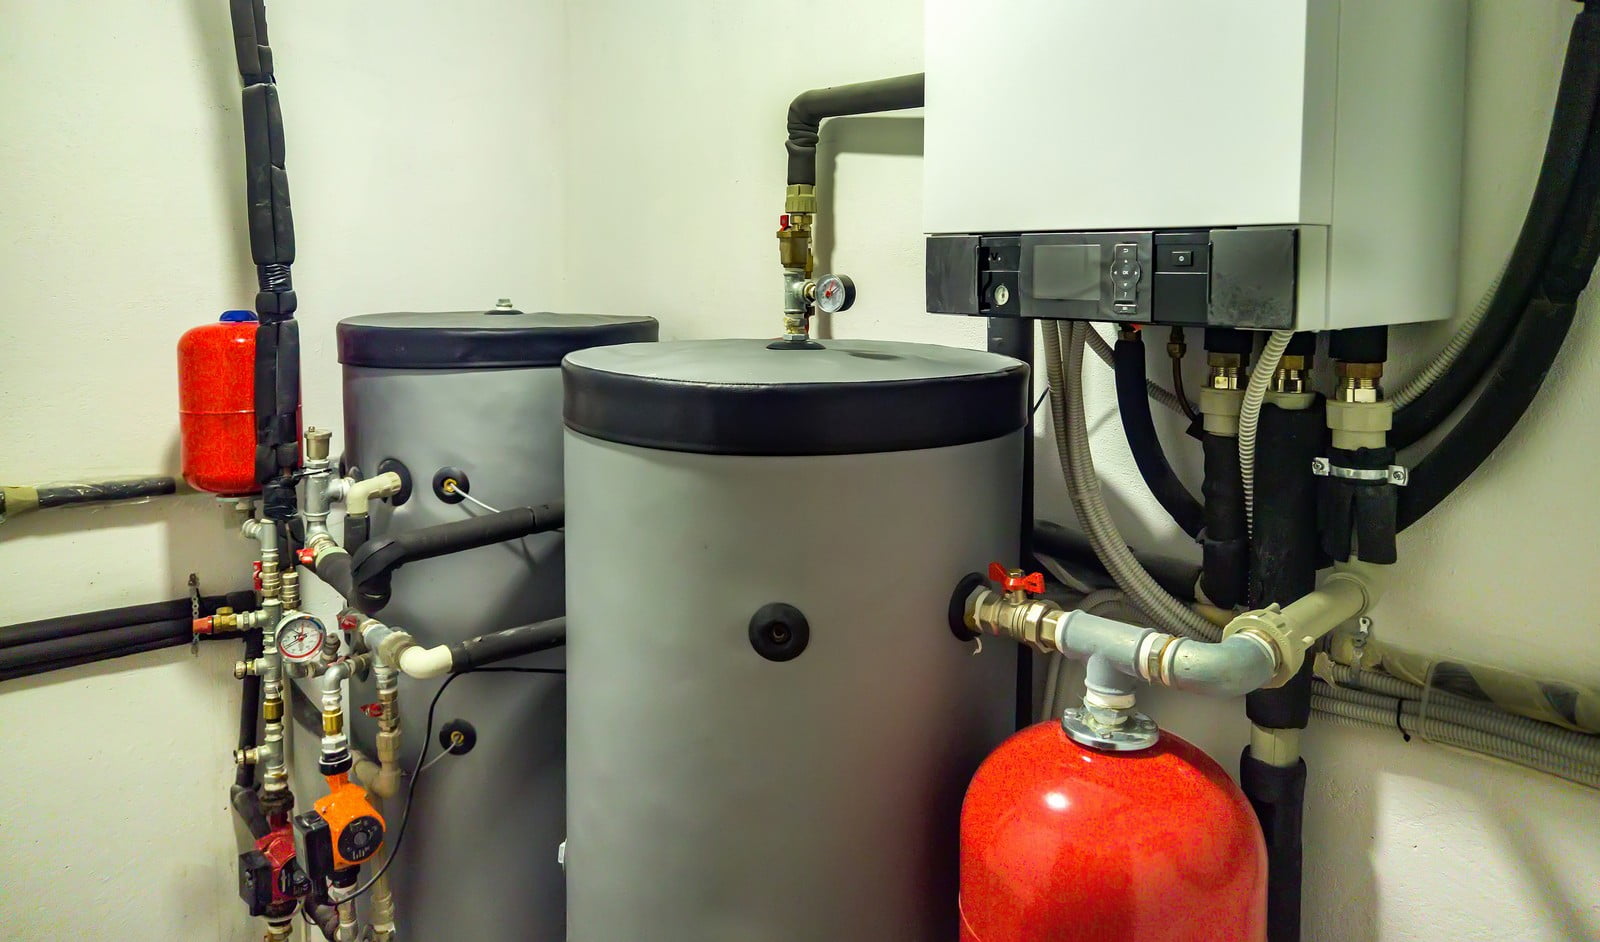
{"x": 423, "y": 154}
{"x": 628, "y": 156}
{"x": 677, "y": 179}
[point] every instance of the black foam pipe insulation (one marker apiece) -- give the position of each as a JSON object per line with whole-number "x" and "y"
{"x": 18, "y": 500}
{"x": 1072, "y": 549}
{"x": 1570, "y": 127}
{"x": 809, "y": 109}
{"x": 68, "y": 626}
{"x": 1133, "y": 404}
{"x": 1529, "y": 354}
{"x": 100, "y": 645}
{"x": 505, "y": 645}
{"x": 1285, "y": 556}
{"x": 272, "y": 248}
{"x": 249, "y": 710}
{"x": 375, "y": 563}
{"x": 1225, "y": 544}
{"x": 1012, "y": 337}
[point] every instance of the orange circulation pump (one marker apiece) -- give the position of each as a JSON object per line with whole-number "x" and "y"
{"x": 1061, "y": 842}
{"x": 216, "y": 405}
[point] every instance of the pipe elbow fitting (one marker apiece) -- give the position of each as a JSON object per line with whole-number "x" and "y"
{"x": 1232, "y": 667}
{"x": 360, "y": 494}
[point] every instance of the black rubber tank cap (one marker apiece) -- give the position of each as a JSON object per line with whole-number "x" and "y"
{"x": 779, "y": 631}
{"x": 970, "y": 583}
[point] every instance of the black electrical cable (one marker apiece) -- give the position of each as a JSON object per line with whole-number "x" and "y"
{"x": 422, "y": 757}
{"x": 1133, "y": 403}
{"x": 1570, "y": 127}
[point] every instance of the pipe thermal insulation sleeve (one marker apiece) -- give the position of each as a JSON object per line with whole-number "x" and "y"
{"x": 67, "y": 626}
{"x": 511, "y": 643}
{"x": 1139, "y": 427}
{"x": 807, "y": 111}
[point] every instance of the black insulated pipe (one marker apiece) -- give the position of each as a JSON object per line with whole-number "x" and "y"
{"x": 810, "y": 109}
{"x": 1570, "y": 127}
{"x": 249, "y": 710}
{"x": 372, "y": 567}
{"x": 18, "y": 500}
{"x": 68, "y": 626}
{"x": 1284, "y": 561}
{"x": 504, "y": 645}
{"x": 1225, "y": 570}
{"x": 1072, "y": 549}
{"x": 1535, "y": 342}
{"x": 1013, "y": 337}
{"x": 335, "y": 570}
{"x": 100, "y": 645}
{"x": 1133, "y": 403}
{"x": 271, "y": 227}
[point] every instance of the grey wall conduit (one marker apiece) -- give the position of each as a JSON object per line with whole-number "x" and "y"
{"x": 1569, "y": 129}
{"x": 373, "y": 565}
{"x": 1133, "y": 404}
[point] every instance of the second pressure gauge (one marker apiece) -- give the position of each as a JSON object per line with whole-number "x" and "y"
{"x": 300, "y": 637}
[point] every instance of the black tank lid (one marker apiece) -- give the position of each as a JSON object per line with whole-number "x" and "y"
{"x": 740, "y": 397}
{"x": 480, "y": 339}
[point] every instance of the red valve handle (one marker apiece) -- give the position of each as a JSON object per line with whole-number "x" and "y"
{"x": 373, "y": 710}
{"x": 1033, "y": 583}
{"x": 255, "y": 568}
{"x": 306, "y": 555}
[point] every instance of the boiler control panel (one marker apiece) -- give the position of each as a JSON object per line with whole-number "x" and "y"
{"x": 1237, "y": 277}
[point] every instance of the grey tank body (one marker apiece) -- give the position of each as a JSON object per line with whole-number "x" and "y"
{"x": 717, "y": 795}
{"x": 480, "y": 392}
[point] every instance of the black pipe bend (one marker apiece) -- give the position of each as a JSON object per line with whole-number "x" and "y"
{"x": 374, "y": 564}
{"x": 1133, "y": 402}
{"x": 807, "y": 111}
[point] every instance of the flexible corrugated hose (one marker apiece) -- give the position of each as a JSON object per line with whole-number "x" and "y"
{"x": 1250, "y": 415}
{"x": 1077, "y": 466}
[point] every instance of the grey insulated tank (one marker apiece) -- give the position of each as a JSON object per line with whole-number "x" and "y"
{"x": 479, "y": 392}
{"x": 770, "y": 725}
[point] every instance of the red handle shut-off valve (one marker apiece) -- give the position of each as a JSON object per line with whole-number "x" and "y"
{"x": 1014, "y": 580}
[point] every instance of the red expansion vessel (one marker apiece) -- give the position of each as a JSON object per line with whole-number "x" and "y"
{"x": 216, "y": 405}
{"x": 1063, "y": 843}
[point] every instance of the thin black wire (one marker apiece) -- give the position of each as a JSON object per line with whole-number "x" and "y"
{"x": 1040, "y": 401}
{"x": 416, "y": 768}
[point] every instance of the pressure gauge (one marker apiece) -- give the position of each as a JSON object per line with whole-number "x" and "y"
{"x": 835, "y": 293}
{"x": 300, "y": 637}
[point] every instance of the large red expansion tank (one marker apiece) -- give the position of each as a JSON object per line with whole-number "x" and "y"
{"x": 216, "y": 405}
{"x": 1063, "y": 843}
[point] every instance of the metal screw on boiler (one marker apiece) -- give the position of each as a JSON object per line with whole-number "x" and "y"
{"x": 503, "y": 306}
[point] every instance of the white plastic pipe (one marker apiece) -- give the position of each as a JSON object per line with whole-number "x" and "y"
{"x": 361, "y": 493}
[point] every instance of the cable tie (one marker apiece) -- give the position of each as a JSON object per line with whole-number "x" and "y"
{"x": 1398, "y": 705}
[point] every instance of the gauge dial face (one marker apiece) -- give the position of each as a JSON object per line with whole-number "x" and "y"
{"x": 833, "y": 294}
{"x": 300, "y": 637}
